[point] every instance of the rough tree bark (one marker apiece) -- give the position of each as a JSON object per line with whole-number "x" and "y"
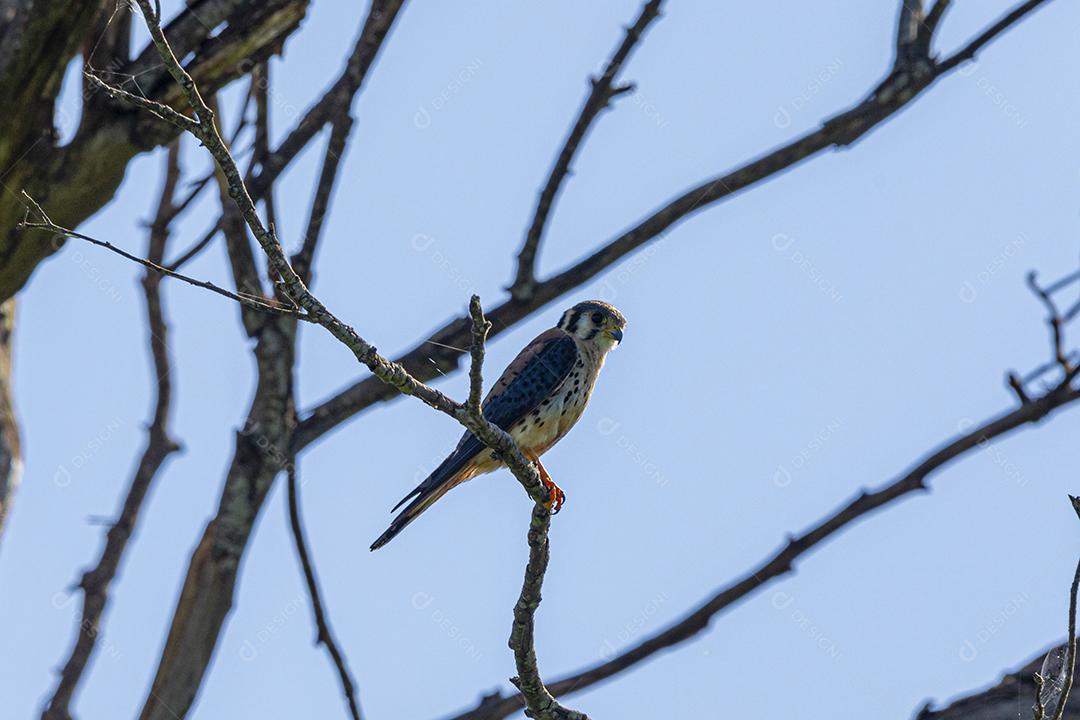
{"x": 37, "y": 41}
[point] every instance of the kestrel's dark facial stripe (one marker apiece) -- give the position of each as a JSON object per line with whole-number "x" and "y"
{"x": 572, "y": 324}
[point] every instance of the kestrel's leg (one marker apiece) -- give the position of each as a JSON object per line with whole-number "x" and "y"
{"x": 556, "y": 496}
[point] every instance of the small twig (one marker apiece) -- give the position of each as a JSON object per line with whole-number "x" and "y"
{"x": 249, "y": 301}
{"x": 162, "y": 110}
{"x": 1053, "y": 319}
{"x": 322, "y": 622}
{"x": 603, "y": 91}
{"x": 1017, "y": 386}
{"x": 969, "y": 51}
{"x": 480, "y": 327}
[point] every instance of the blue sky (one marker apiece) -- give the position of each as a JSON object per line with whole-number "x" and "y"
{"x": 786, "y": 348}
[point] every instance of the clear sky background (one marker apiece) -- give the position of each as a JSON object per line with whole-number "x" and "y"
{"x": 758, "y": 388}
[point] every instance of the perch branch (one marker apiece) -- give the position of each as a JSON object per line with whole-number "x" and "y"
{"x": 538, "y": 701}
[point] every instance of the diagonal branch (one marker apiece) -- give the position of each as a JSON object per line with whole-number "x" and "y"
{"x": 431, "y": 357}
{"x": 340, "y": 127}
{"x": 248, "y": 301}
{"x": 969, "y": 51}
{"x": 95, "y": 583}
{"x": 603, "y": 91}
{"x": 782, "y": 562}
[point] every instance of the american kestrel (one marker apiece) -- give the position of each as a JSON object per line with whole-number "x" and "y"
{"x": 538, "y": 398}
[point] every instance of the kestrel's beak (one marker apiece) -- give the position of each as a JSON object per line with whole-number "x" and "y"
{"x": 616, "y": 335}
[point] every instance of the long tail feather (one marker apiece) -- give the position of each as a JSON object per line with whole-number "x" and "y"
{"x": 447, "y": 475}
{"x": 411, "y": 512}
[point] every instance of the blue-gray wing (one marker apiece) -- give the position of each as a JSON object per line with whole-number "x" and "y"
{"x": 531, "y": 378}
{"x": 533, "y": 375}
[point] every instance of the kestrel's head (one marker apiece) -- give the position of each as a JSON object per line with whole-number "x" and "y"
{"x": 596, "y": 322}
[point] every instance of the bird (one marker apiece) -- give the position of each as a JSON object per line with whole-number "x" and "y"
{"x": 537, "y": 399}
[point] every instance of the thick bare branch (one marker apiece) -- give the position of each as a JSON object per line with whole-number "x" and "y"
{"x": 603, "y": 91}
{"x": 77, "y": 178}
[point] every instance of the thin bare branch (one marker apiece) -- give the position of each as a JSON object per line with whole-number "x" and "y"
{"x": 1054, "y": 319}
{"x": 340, "y": 127}
{"x": 248, "y": 301}
{"x": 1006, "y": 21}
{"x": 162, "y": 110}
{"x": 324, "y": 636}
{"x": 603, "y": 91}
{"x": 95, "y": 582}
{"x": 260, "y": 89}
{"x": 377, "y": 25}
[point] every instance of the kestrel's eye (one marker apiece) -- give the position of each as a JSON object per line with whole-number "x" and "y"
{"x": 598, "y": 318}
